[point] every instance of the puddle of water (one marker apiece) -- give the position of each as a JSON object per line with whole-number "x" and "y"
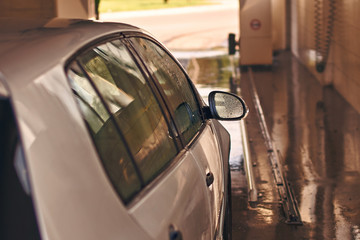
{"x": 208, "y": 69}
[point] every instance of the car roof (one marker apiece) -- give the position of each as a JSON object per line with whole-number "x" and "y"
{"x": 29, "y": 48}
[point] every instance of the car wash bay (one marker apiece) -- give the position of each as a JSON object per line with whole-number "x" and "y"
{"x": 314, "y": 132}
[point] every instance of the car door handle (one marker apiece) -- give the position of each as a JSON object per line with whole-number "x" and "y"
{"x": 209, "y": 179}
{"x": 175, "y": 235}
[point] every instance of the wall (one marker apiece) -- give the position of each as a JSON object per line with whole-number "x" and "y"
{"x": 343, "y": 65}
{"x": 278, "y": 15}
{"x": 27, "y": 9}
{"x": 47, "y": 9}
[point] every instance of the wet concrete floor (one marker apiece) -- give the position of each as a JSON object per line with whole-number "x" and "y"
{"x": 316, "y": 134}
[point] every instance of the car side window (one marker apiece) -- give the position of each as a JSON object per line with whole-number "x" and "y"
{"x": 102, "y": 127}
{"x": 131, "y": 104}
{"x": 174, "y": 84}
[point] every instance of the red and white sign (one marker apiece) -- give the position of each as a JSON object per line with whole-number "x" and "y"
{"x": 255, "y": 24}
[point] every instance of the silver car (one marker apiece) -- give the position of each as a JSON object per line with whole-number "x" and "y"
{"x": 103, "y": 136}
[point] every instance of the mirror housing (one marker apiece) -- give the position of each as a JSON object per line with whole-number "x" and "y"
{"x": 226, "y": 106}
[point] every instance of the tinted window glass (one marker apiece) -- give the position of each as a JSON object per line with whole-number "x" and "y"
{"x": 174, "y": 84}
{"x": 133, "y": 105}
{"x": 111, "y": 148}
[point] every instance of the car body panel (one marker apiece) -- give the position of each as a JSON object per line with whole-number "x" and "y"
{"x": 178, "y": 200}
{"x": 208, "y": 156}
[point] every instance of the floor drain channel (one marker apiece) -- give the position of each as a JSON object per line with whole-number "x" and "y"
{"x": 287, "y": 197}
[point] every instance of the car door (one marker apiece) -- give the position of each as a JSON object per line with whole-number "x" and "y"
{"x": 155, "y": 177}
{"x": 197, "y": 136}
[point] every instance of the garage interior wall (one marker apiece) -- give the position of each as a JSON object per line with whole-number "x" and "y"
{"x": 342, "y": 67}
{"x": 46, "y": 9}
{"x": 27, "y": 9}
{"x": 278, "y": 15}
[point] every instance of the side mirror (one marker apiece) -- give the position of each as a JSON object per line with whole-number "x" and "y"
{"x": 226, "y": 106}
